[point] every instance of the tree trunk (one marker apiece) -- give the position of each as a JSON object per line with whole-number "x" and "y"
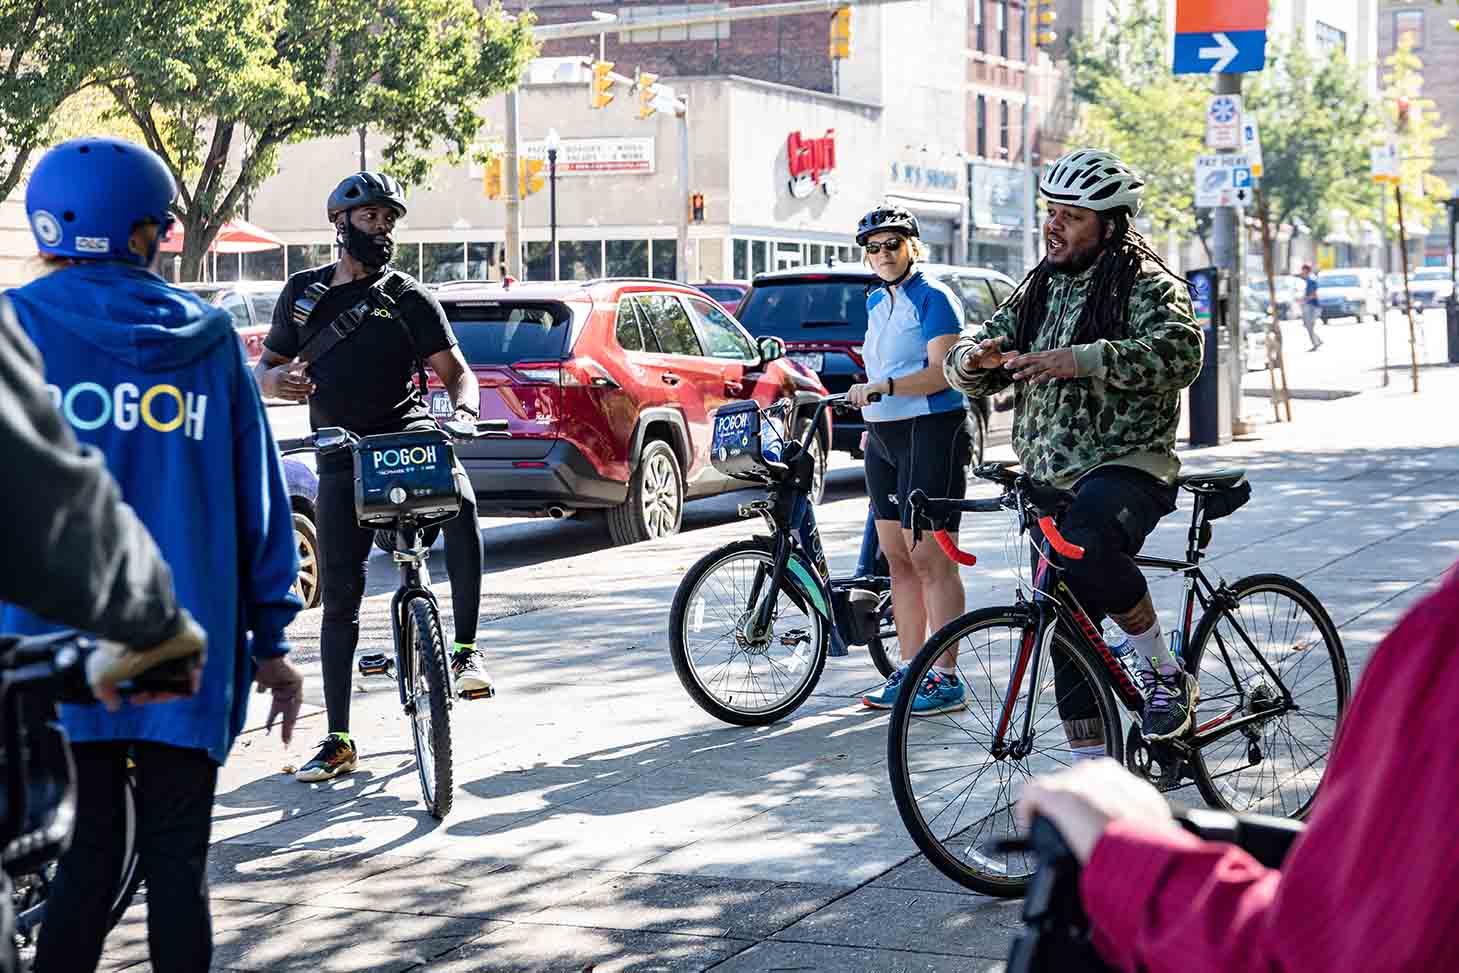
{"x": 197, "y": 238}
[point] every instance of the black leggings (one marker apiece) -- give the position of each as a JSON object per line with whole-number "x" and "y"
{"x": 175, "y": 787}
{"x": 1114, "y": 510}
{"x": 344, "y": 554}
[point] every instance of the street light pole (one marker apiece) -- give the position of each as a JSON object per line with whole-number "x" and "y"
{"x": 1030, "y": 186}
{"x": 553, "y": 143}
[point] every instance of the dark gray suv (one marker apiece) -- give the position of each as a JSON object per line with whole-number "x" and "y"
{"x": 820, "y": 312}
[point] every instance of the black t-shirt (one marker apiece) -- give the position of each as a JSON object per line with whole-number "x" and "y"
{"x": 366, "y": 383}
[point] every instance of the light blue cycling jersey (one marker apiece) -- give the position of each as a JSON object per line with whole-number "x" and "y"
{"x": 897, "y": 333}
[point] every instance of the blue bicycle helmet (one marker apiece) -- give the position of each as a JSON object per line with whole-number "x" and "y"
{"x": 86, "y": 196}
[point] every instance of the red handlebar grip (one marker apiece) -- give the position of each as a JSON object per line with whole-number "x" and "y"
{"x": 951, "y": 550}
{"x": 1056, "y": 539}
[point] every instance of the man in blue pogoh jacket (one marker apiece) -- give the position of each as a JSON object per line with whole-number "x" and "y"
{"x": 156, "y": 380}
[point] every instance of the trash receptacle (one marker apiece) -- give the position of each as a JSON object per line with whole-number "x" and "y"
{"x": 1451, "y": 313}
{"x": 1210, "y": 393}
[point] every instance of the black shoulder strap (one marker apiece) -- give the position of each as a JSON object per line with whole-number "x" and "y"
{"x": 387, "y": 291}
{"x": 384, "y": 293}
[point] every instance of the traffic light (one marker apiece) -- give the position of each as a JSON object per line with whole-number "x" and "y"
{"x": 841, "y": 34}
{"x": 491, "y": 179}
{"x": 603, "y": 82}
{"x": 531, "y": 180}
{"x": 1402, "y": 105}
{"x": 647, "y": 86}
{"x": 1044, "y": 16}
{"x": 696, "y": 208}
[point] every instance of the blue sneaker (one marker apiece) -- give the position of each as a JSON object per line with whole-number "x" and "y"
{"x": 939, "y": 694}
{"x": 886, "y": 696}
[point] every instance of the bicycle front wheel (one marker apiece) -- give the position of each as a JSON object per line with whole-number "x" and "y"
{"x": 429, "y": 704}
{"x": 1273, "y": 765}
{"x": 954, "y": 793}
{"x": 885, "y": 648}
{"x": 733, "y": 674}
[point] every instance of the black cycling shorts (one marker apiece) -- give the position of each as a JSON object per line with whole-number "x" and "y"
{"x": 928, "y": 453}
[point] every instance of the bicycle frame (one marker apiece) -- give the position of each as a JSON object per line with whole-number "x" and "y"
{"x": 1053, "y": 601}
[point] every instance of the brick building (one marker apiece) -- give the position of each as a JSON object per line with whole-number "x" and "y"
{"x": 785, "y": 50}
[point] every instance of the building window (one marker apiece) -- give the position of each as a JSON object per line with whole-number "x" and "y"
{"x": 1329, "y": 38}
{"x": 1410, "y": 24}
{"x": 697, "y": 32}
{"x": 1003, "y": 129}
{"x": 441, "y": 262}
{"x": 627, "y": 258}
{"x": 665, "y": 255}
{"x": 579, "y": 259}
{"x": 1003, "y": 28}
{"x": 1022, "y": 32}
{"x": 264, "y": 265}
{"x": 407, "y": 258}
{"x": 982, "y": 142}
{"x": 761, "y": 251}
{"x": 742, "y": 260}
{"x": 538, "y": 262}
{"x": 484, "y": 260}
{"x": 307, "y": 256}
{"x": 980, "y": 35}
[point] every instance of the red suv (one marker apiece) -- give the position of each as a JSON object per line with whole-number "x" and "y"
{"x": 610, "y": 388}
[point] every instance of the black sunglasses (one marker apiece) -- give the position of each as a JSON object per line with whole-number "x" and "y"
{"x": 890, "y": 246}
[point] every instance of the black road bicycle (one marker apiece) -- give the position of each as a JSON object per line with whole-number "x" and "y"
{"x": 1273, "y": 685}
{"x": 406, "y": 482}
{"x": 753, "y": 622}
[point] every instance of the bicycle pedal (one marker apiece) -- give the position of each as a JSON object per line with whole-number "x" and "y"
{"x": 486, "y": 693}
{"x": 377, "y": 664}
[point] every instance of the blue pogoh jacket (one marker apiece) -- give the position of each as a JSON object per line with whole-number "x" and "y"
{"x": 156, "y": 379}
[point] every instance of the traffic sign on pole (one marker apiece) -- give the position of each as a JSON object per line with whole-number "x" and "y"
{"x": 1251, "y": 144}
{"x": 1223, "y": 180}
{"x": 1223, "y": 122}
{"x": 1220, "y": 36}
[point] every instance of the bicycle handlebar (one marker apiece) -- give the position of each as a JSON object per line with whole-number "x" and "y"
{"x": 58, "y": 661}
{"x": 338, "y": 438}
{"x": 1056, "y": 540}
{"x": 950, "y": 548}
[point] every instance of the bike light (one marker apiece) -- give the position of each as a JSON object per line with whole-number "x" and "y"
{"x": 398, "y": 495}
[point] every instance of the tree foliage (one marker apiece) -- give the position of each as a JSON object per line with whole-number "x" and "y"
{"x": 238, "y": 80}
{"x": 1423, "y": 192}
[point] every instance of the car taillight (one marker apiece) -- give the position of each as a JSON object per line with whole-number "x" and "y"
{"x": 586, "y": 371}
{"x": 855, "y": 352}
{"x": 548, "y": 372}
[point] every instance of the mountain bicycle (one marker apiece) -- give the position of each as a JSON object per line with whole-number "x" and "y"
{"x": 1273, "y": 685}
{"x": 753, "y": 622}
{"x": 40, "y": 783}
{"x": 405, "y": 482}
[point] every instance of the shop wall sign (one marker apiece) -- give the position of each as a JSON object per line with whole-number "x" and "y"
{"x": 590, "y": 156}
{"x": 811, "y": 162}
{"x": 997, "y": 193}
{"x": 923, "y": 177}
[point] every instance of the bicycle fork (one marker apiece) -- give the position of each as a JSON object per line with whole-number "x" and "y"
{"x": 1032, "y": 650}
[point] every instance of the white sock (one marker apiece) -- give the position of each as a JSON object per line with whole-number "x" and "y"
{"x": 1150, "y": 644}
{"x": 1087, "y": 753}
{"x": 945, "y": 671}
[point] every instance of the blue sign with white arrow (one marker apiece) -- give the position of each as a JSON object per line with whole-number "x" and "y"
{"x": 1220, "y": 52}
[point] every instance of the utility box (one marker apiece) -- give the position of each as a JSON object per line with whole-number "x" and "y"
{"x": 1210, "y": 394}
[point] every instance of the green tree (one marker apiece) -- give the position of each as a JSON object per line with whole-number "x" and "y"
{"x": 242, "y": 78}
{"x": 53, "y": 50}
{"x": 1423, "y": 192}
{"x": 1136, "y": 108}
{"x": 1316, "y": 122}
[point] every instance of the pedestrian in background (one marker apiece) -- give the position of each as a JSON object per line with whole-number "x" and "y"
{"x": 1309, "y": 306}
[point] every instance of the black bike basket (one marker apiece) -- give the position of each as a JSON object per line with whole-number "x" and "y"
{"x": 856, "y": 613}
{"x": 405, "y": 473}
{"x": 1225, "y": 501}
{"x": 735, "y": 447}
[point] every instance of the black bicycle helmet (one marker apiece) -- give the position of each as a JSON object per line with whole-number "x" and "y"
{"x": 364, "y": 188}
{"x": 883, "y": 218}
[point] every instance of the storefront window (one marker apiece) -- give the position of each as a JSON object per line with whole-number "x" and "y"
{"x": 742, "y": 260}
{"x": 817, "y": 253}
{"x": 762, "y": 257}
{"x": 579, "y": 259}
{"x": 227, "y": 266}
{"x": 787, "y": 255}
{"x": 538, "y": 264}
{"x": 665, "y": 254}
{"x": 307, "y": 256}
{"x": 407, "y": 258}
{"x": 264, "y": 265}
{"x": 483, "y": 259}
{"x": 441, "y": 262}
{"x": 627, "y": 258}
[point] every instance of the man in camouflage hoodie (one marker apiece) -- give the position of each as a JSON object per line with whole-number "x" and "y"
{"x": 1099, "y": 339}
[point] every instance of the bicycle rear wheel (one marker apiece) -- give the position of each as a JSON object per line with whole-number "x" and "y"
{"x": 1272, "y": 766}
{"x": 429, "y": 693}
{"x": 732, "y": 677}
{"x": 955, "y": 796}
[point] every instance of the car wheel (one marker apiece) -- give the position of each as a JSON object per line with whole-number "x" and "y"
{"x": 306, "y": 540}
{"x": 655, "y": 503}
{"x": 978, "y": 433}
{"x": 385, "y": 539}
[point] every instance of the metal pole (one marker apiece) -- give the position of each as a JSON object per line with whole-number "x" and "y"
{"x": 1407, "y": 294}
{"x": 1387, "y": 270}
{"x": 682, "y": 256}
{"x": 363, "y": 166}
{"x": 1030, "y": 247}
{"x": 510, "y": 191}
{"x": 552, "y": 209}
{"x": 1225, "y": 250}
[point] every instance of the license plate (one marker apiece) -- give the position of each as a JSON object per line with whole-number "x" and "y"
{"x": 814, "y": 360}
{"x": 441, "y": 404}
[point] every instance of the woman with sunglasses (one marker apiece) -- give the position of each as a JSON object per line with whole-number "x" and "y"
{"x": 917, "y": 439}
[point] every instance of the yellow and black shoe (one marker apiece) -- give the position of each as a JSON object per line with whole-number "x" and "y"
{"x": 337, "y": 755}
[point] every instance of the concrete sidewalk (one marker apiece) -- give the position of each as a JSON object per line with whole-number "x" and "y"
{"x": 602, "y": 821}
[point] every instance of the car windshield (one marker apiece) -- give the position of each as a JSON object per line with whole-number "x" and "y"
{"x": 501, "y": 332}
{"x": 1437, "y": 273}
{"x": 803, "y": 309}
{"x": 1339, "y": 280}
{"x": 721, "y": 292}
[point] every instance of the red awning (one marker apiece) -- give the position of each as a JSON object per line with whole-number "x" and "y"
{"x": 236, "y": 236}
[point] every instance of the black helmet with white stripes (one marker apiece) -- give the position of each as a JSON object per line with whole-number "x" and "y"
{"x": 365, "y": 189}
{"x": 1093, "y": 179}
{"x": 893, "y": 218}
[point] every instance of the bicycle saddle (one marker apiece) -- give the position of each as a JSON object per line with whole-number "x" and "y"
{"x": 1213, "y": 480}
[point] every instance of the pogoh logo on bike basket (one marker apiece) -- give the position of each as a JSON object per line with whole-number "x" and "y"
{"x": 403, "y": 460}
{"x": 422, "y": 464}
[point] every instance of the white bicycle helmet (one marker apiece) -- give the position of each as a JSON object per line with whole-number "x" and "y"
{"x": 1094, "y": 180}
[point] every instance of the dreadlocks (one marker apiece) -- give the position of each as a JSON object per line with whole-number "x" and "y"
{"x": 1105, "y": 311}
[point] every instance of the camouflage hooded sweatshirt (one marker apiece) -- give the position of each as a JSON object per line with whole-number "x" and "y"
{"x": 1123, "y": 406}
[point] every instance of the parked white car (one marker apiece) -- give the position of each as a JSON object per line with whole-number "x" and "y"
{"x": 1350, "y": 292}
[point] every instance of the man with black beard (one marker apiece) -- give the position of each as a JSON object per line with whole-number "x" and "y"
{"x": 1100, "y": 339}
{"x": 365, "y": 383}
